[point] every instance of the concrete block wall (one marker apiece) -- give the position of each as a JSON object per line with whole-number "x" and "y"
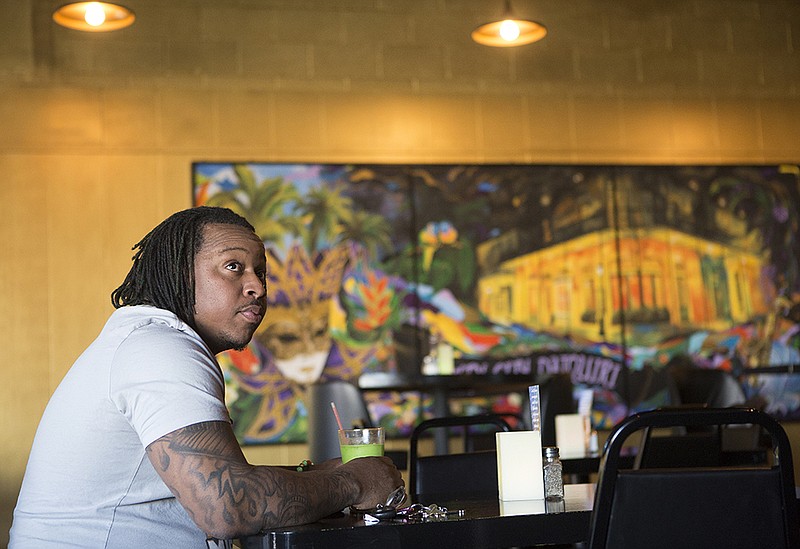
{"x": 98, "y": 131}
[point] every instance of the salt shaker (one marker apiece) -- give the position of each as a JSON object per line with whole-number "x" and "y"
{"x": 553, "y": 480}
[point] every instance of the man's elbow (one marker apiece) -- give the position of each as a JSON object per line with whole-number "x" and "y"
{"x": 229, "y": 531}
{"x": 226, "y": 525}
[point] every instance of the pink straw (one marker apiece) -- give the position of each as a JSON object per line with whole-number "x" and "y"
{"x": 338, "y": 419}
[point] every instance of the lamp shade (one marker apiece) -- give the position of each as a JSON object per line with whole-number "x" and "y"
{"x": 509, "y": 31}
{"x": 94, "y": 16}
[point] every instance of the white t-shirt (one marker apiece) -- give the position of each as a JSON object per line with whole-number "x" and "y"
{"x": 89, "y": 482}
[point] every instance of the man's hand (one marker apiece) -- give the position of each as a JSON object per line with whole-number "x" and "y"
{"x": 378, "y": 477}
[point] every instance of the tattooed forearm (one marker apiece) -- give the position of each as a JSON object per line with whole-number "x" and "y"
{"x": 204, "y": 467}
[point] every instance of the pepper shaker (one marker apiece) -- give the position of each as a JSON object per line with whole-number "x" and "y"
{"x": 553, "y": 474}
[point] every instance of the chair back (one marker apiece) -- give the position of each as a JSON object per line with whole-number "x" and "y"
{"x": 456, "y": 475}
{"x": 323, "y": 431}
{"x": 704, "y": 507}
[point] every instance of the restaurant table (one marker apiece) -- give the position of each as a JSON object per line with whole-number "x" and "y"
{"x": 443, "y": 387}
{"x": 486, "y": 522}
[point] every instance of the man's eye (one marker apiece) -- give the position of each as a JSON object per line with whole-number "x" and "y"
{"x": 234, "y": 266}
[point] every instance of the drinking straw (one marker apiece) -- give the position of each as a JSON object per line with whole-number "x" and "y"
{"x": 533, "y": 395}
{"x": 338, "y": 419}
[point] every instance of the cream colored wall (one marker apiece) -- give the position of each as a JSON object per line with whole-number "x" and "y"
{"x": 98, "y": 132}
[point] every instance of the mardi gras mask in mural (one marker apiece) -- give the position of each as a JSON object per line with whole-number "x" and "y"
{"x": 299, "y": 340}
{"x": 296, "y": 328}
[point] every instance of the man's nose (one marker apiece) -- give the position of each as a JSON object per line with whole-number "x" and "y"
{"x": 255, "y": 286}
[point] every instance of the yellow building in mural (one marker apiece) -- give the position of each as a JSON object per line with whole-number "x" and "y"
{"x": 668, "y": 278}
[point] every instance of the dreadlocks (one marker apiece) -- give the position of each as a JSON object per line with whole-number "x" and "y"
{"x": 162, "y": 274}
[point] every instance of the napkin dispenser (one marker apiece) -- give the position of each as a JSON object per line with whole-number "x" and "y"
{"x": 572, "y": 434}
{"x": 519, "y": 465}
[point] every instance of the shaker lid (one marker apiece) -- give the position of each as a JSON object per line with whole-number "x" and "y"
{"x": 551, "y": 451}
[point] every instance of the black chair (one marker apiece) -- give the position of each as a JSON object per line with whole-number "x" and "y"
{"x": 702, "y": 449}
{"x": 707, "y": 446}
{"x": 457, "y": 475}
{"x": 713, "y": 388}
{"x": 696, "y": 507}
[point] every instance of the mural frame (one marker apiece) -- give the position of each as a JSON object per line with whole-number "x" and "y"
{"x": 600, "y": 270}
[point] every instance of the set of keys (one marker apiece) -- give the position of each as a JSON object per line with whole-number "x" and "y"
{"x": 416, "y": 512}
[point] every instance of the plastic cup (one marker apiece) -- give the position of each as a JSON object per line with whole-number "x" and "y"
{"x": 356, "y": 443}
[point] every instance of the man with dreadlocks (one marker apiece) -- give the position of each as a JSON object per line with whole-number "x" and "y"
{"x": 136, "y": 448}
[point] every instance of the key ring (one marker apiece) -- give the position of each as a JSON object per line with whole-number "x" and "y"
{"x": 388, "y": 510}
{"x": 415, "y": 512}
{"x": 396, "y": 498}
{"x": 431, "y": 513}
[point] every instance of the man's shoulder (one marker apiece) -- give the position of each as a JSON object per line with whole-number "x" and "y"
{"x": 137, "y": 316}
{"x": 148, "y": 325}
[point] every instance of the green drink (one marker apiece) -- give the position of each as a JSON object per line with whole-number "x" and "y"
{"x": 356, "y": 443}
{"x": 353, "y": 451}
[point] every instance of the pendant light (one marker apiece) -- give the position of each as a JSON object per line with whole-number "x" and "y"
{"x": 509, "y": 31}
{"x": 94, "y": 16}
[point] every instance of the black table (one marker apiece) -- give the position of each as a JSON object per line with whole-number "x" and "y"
{"x": 442, "y": 387}
{"x": 486, "y": 523}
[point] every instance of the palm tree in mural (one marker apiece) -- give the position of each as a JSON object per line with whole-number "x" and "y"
{"x": 323, "y": 212}
{"x": 370, "y": 230}
{"x": 263, "y": 203}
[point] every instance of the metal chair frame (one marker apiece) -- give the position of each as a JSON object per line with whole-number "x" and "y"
{"x": 480, "y": 466}
{"x": 708, "y": 507}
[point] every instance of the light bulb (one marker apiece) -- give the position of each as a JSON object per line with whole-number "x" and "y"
{"x": 95, "y": 15}
{"x": 509, "y": 30}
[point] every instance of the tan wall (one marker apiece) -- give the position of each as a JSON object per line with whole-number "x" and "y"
{"x": 98, "y": 132}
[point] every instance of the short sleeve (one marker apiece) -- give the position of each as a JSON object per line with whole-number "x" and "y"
{"x": 163, "y": 379}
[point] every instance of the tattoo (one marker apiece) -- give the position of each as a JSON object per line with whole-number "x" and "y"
{"x": 200, "y": 439}
{"x": 204, "y": 467}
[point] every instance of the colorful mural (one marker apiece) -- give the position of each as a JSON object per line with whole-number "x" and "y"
{"x": 607, "y": 272}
